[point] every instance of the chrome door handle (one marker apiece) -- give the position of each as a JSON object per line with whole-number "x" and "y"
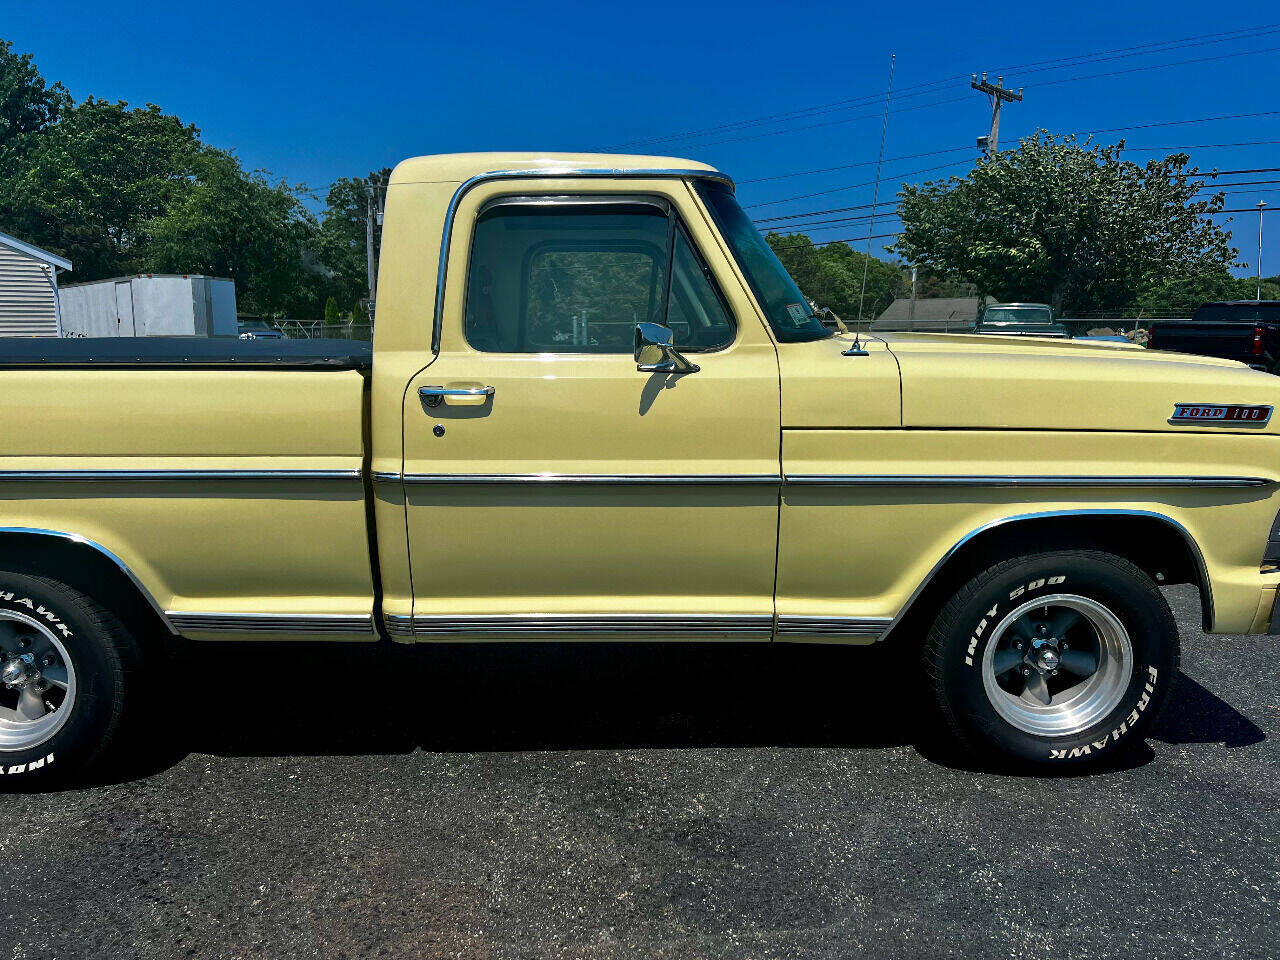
{"x": 434, "y": 396}
{"x": 455, "y": 391}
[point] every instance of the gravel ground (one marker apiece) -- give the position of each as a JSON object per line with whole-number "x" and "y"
{"x": 642, "y": 801}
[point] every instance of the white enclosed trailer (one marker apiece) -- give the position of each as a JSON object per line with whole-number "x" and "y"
{"x": 150, "y": 305}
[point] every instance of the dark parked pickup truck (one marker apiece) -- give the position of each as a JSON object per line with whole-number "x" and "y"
{"x": 1244, "y": 330}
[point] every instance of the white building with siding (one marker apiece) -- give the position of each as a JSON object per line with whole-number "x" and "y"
{"x": 29, "y": 305}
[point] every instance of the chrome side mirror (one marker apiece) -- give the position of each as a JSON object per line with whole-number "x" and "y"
{"x": 655, "y": 351}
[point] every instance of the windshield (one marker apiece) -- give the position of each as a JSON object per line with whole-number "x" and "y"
{"x": 1031, "y": 314}
{"x": 783, "y": 303}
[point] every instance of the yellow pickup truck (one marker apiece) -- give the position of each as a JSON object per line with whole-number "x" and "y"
{"x": 597, "y": 408}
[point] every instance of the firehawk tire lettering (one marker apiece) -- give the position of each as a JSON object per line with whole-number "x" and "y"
{"x": 1125, "y": 725}
{"x": 37, "y": 609}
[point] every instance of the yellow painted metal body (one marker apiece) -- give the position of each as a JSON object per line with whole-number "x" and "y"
{"x": 460, "y": 559}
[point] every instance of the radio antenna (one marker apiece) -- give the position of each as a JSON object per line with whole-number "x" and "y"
{"x": 875, "y": 196}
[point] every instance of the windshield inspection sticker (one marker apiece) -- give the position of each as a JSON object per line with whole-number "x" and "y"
{"x": 1221, "y": 414}
{"x": 797, "y": 312}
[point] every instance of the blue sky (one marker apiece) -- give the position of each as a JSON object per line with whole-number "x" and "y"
{"x": 327, "y": 89}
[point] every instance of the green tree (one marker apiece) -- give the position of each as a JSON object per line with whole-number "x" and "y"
{"x": 230, "y": 223}
{"x": 27, "y": 104}
{"x": 831, "y": 275}
{"x": 341, "y": 244}
{"x": 90, "y": 186}
{"x": 331, "y": 311}
{"x": 1187, "y": 293}
{"x": 1064, "y": 223}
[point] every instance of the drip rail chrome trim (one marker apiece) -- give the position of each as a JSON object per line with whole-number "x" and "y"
{"x": 981, "y": 480}
{"x": 177, "y": 474}
{"x": 590, "y": 478}
{"x": 547, "y": 173}
{"x": 346, "y": 623}
{"x": 93, "y": 545}
{"x": 661, "y": 625}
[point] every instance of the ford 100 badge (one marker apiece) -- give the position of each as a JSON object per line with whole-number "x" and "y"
{"x": 1221, "y": 414}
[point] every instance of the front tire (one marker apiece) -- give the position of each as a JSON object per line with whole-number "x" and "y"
{"x": 1055, "y": 659}
{"x": 66, "y": 665}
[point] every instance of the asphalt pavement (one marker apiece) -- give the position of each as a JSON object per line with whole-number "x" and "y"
{"x": 644, "y": 801}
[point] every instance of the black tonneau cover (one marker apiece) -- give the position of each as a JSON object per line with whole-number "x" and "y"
{"x": 215, "y": 352}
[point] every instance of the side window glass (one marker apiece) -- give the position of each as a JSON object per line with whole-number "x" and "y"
{"x": 577, "y": 278}
{"x": 696, "y": 314}
{"x": 565, "y": 279}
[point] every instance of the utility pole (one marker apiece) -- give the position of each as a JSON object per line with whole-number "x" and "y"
{"x": 911, "y": 313}
{"x": 372, "y": 209}
{"x": 998, "y": 95}
{"x": 1261, "y": 204}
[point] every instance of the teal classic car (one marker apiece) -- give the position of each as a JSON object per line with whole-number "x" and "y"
{"x": 1019, "y": 320}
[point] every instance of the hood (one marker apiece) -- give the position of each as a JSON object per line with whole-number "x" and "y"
{"x": 1032, "y": 383}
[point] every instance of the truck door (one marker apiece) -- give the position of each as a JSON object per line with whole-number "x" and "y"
{"x": 553, "y": 490}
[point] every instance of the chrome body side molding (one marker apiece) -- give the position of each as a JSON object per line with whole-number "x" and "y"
{"x": 832, "y": 480}
{"x": 625, "y": 626}
{"x": 976, "y": 480}
{"x": 1206, "y": 587}
{"x": 546, "y": 173}
{"x": 589, "y": 478}
{"x": 84, "y": 541}
{"x": 831, "y": 628}
{"x": 272, "y": 623}
{"x": 171, "y": 475}
{"x": 398, "y": 625}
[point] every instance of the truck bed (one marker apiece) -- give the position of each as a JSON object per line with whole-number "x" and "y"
{"x": 215, "y": 352}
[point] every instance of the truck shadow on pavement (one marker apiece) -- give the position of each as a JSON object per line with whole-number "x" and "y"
{"x": 329, "y": 700}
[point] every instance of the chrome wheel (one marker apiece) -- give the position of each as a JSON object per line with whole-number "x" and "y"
{"x": 37, "y": 682}
{"x": 1057, "y": 665}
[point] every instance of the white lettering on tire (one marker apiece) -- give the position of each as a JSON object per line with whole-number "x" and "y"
{"x": 38, "y": 609}
{"x": 1124, "y": 726}
{"x": 1035, "y": 585}
{"x": 25, "y": 767}
{"x": 977, "y": 634}
{"x": 990, "y": 615}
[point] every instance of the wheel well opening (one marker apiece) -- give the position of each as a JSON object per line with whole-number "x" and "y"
{"x": 92, "y": 572}
{"x": 1157, "y": 546}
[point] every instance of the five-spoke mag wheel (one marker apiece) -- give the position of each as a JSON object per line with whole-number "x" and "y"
{"x": 37, "y": 682}
{"x": 1057, "y": 664}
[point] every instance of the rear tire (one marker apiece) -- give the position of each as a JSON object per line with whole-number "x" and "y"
{"x": 1054, "y": 659}
{"x": 67, "y": 667}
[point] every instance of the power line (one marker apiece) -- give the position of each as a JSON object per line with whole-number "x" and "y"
{"x": 921, "y": 89}
{"x": 854, "y": 186}
{"x": 864, "y": 206}
{"x": 939, "y": 103}
{"x": 936, "y": 153}
{"x": 950, "y": 100}
{"x": 1140, "y": 126}
{"x": 832, "y": 223}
